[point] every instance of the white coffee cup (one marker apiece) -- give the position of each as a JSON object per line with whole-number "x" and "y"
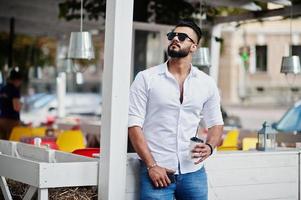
{"x": 193, "y": 142}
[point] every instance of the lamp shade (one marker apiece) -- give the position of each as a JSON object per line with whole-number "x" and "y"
{"x": 81, "y": 46}
{"x": 201, "y": 57}
{"x": 290, "y": 65}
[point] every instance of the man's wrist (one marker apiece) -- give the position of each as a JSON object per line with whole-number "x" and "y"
{"x": 211, "y": 147}
{"x": 151, "y": 166}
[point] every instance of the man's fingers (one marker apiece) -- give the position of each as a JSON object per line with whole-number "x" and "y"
{"x": 198, "y": 149}
{"x": 164, "y": 182}
{"x": 170, "y": 171}
{"x": 168, "y": 181}
{"x": 160, "y": 183}
{"x": 200, "y": 145}
{"x": 200, "y": 160}
{"x": 156, "y": 183}
{"x": 199, "y": 154}
{"x": 159, "y": 176}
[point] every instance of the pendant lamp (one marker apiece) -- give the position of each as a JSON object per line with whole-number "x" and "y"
{"x": 80, "y": 45}
{"x": 290, "y": 64}
{"x": 201, "y": 58}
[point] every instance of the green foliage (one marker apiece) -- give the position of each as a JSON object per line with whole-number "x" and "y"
{"x": 171, "y": 11}
{"x": 70, "y": 9}
{"x": 159, "y": 11}
{"x": 28, "y": 51}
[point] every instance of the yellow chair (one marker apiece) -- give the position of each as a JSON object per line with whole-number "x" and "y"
{"x": 249, "y": 143}
{"x": 19, "y": 132}
{"x": 39, "y": 131}
{"x": 230, "y": 141}
{"x": 70, "y": 140}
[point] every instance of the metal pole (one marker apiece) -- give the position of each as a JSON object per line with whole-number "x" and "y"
{"x": 11, "y": 42}
{"x": 215, "y": 51}
{"x": 115, "y": 91}
{"x": 81, "y": 16}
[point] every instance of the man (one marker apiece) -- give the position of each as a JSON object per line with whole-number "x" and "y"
{"x": 166, "y": 104}
{"x": 10, "y": 104}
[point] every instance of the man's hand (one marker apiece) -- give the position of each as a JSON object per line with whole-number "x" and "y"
{"x": 201, "y": 151}
{"x": 159, "y": 177}
{"x": 17, "y": 104}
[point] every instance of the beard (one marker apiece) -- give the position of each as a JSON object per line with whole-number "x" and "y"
{"x": 177, "y": 53}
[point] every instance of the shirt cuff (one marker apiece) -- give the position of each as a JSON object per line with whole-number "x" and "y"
{"x": 214, "y": 123}
{"x": 135, "y": 121}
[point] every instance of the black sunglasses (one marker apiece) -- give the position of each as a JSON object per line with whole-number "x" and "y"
{"x": 181, "y": 36}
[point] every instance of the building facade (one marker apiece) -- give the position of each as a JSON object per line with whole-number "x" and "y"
{"x": 250, "y": 62}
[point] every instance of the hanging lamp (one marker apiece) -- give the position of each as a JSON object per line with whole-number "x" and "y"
{"x": 290, "y": 64}
{"x": 201, "y": 58}
{"x": 80, "y": 45}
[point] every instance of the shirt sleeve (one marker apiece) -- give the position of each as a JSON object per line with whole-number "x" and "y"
{"x": 15, "y": 93}
{"x": 212, "y": 110}
{"x": 137, "y": 101}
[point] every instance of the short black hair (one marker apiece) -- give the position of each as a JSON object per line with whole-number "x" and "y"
{"x": 15, "y": 75}
{"x": 191, "y": 24}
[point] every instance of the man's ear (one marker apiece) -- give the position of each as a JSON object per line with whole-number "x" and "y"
{"x": 194, "y": 47}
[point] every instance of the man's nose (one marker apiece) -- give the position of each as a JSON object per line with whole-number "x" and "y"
{"x": 175, "y": 38}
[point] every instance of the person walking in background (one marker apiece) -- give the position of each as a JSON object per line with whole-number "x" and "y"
{"x": 10, "y": 104}
{"x": 166, "y": 104}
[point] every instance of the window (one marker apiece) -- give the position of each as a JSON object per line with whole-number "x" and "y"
{"x": 296, "y": 50}
{"x": 261, "y": 58}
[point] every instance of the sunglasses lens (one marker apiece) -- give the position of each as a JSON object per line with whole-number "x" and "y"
{"x": 171, "y": 35}
{"x": 182, "y": 36}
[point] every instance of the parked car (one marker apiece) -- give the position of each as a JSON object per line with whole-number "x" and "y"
{"x": 40, "y": 107}
{"x": 291, "y": 120}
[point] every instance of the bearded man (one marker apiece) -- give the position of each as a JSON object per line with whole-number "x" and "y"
{"x": 166, "y": 105}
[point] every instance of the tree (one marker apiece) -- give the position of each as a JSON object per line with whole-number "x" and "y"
{"x": 28, "y": 51}
{"x": 158, "y": 11}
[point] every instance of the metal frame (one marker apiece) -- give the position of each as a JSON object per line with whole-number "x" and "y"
{"x": 43, "y": 168}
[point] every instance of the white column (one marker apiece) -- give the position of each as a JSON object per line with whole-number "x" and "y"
{"x": 43, "y": 194}
{"x": 215, "y": 51}
{"x": 115, "y": 91}
{"x": 61, "y": 94}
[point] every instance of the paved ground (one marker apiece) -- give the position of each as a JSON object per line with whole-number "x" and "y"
{"x": 252, "y": 117}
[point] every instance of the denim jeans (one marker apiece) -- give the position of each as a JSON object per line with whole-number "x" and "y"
{"x": 190, "y": 186}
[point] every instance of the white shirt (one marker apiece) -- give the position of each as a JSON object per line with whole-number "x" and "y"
{"x": 167, "y": 124}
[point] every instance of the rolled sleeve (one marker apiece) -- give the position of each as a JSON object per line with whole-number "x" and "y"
{"x": 137, "y": 101}
{"x": 135, "y": 121}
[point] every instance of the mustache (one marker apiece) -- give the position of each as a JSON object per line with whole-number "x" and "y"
{"x": 175, "y": 43}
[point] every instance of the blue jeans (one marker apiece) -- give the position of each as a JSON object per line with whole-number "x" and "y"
{"x": 190, "y": 186}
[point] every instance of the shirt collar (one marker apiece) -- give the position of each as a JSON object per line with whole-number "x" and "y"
{"x": 164, "y": 70}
